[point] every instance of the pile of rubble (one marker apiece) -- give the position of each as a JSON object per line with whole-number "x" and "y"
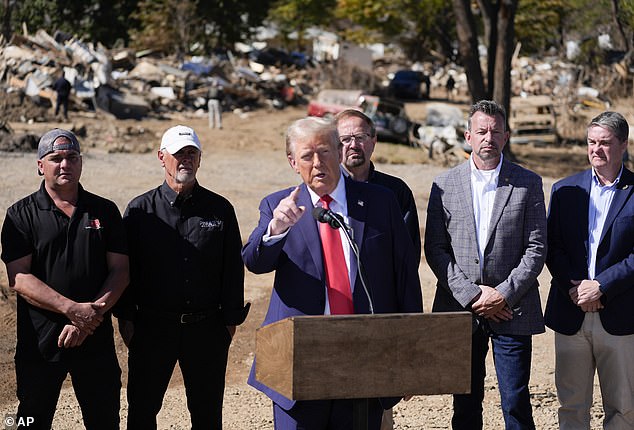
{"x": 129, "y": 84}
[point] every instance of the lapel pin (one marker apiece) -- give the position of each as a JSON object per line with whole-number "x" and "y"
{"x": 360, "y": 202}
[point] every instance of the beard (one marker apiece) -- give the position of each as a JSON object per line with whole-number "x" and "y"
{"x": 354, "y": 159}
{"x": 184, "y": 177}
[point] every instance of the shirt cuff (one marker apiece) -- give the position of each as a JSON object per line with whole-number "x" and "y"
{"x": 269, "y": 239}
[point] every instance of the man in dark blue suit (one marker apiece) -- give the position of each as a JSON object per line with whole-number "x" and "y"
{"x": 288, "y": 241}
{"x": 591, "y": 300}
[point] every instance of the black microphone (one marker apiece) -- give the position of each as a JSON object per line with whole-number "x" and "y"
{"x": 327, "y": 216}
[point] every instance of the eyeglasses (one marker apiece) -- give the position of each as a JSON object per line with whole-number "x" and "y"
{"x": 347, "y": 139}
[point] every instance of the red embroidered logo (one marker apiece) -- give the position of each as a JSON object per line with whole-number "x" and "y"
{"x": 94, "y": 224}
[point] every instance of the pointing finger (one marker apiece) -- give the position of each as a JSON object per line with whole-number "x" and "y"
{"x": 295, "y": 194}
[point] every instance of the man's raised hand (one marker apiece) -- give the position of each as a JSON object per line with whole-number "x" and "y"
{"x": 287, "y": 213}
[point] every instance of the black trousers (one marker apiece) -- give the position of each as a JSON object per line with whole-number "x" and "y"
{"x": 96, "y": 381}
{"x": 62, "y": 100}
{"x": 200, "y": 349}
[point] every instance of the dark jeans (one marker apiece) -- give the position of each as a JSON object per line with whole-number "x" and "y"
{"x": 96, "y": 381}
{"x": 512, "y": 359}
{"x": 324, "y": 415}
{"x": 62, "y": 100}
{"x": 201, "y": 351}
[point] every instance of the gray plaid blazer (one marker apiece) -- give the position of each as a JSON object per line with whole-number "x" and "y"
{"x": 515, "y": 250}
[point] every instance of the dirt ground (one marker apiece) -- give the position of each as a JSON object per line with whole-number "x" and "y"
{"x": 244, "y": 162}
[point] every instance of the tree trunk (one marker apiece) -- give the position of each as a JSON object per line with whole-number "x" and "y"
{"x": 489, "y": 12}
{"x": 619, "y": 25}
{"x": 503, "y": 54}
{"x": 6, "y": 21}
{"x": 468, "y": 48}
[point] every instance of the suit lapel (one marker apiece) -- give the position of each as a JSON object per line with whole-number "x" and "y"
{"x": 308, "y": 228}
{"x": 502, "y": 194}
{"x": 584, "y": 207}
{"x": 622, "y": 193}
{"x": 463, "y": 186}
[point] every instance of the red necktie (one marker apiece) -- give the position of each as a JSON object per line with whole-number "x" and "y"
{"x": 337, "y": 280}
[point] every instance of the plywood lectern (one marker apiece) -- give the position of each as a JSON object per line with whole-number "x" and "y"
{"x": 362, "y": 356}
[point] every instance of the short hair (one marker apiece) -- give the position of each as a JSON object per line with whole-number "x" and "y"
{"x": 309, "y": 127}
{"x": 347, "y": 113}
{"x": 488, "y": 107}
{"x": 613, "y": 122}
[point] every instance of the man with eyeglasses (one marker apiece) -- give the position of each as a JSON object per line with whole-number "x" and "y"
{"x": 357, "y": 134}
{"x": 66, "y": 256}
{"x": 186, "y": 293}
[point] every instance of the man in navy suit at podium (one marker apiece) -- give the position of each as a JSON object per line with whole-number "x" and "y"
{"x": 316, "y": 271}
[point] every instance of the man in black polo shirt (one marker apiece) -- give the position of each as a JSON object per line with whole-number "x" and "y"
{"x": 358, "y": 137}
{"x": 66, "y": 257}
{"x": 186, "y": 294}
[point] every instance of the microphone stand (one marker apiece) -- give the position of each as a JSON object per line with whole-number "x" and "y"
{"x": 360, "y": 407}
{"x": 355, "y": 249}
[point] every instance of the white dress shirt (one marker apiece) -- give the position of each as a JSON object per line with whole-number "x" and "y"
{"x": 483, "y": 186}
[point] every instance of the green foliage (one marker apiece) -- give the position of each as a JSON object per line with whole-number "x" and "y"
{"x": 166, "y": 25}
{"x": 418, "y": 26}
{"x": 539, "y": 24}
{"x": 230, "y": 21}
{"x": 179, "y": 25}
{"x": 83, "y": 18}
{"x": 298, "y": 15}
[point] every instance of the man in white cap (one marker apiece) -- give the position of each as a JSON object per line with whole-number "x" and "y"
{"x": 66, "y": 256}
{"x": 186, "y": 293}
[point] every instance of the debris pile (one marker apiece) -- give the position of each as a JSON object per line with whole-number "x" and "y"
{"x": 128, "y": 84}
{"x": 133, "y": 85}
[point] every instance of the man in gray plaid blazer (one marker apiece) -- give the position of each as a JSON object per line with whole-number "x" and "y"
{"x": 485, "y": 240}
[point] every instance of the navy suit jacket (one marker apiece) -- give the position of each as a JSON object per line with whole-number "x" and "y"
{"x": 568, "y": 255}
{"x": 386, "y": 252}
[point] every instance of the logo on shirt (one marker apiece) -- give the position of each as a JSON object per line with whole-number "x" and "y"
{"x": 211, "y": 224}
{"x": 93, "y": 224}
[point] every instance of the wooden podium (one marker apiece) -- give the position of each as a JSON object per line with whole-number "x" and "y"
{"x": 363, "y": 356}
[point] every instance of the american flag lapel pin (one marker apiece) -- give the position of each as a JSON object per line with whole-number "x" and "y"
{"x": 93, "y": 224}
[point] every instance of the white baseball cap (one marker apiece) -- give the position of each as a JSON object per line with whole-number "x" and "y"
{"x": 178, "y": 137}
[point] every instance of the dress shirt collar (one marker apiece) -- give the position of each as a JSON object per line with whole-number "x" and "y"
{"x": 174, "y": 198}
{"x": 338, "y": 195}
{"x": 484, "y": 175}
{"x": 596, "y": 182}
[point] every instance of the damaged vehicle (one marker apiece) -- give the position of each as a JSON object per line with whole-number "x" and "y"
{"x": 389, "y": 116}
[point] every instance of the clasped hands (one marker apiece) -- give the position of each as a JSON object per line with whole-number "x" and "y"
{"x": 84, "y": 318}
{"x": 586, "y": 294}
{"x": 490, "y": 304}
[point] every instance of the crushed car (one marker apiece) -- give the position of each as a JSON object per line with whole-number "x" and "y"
{"x": 389, "y": 116}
